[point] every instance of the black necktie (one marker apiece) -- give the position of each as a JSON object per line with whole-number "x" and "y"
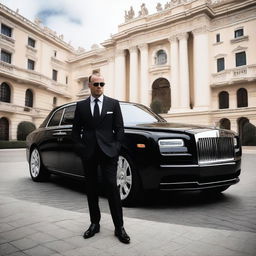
{"x": 96, "y": 112}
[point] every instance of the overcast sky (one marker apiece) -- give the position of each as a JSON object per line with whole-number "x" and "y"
{"x": 83, "y": 22}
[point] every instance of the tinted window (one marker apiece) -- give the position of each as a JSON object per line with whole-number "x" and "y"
{"x": 239, "y": 32}
{"x": 240, "y": 59}
{"x": 5, "y": 30}
{"x": 220, "y": 64}
{"x": 56, "y": 118}
{"x": 31, "y": 42}
{"x": 6, "y": 57}
{"x": 137, "y": 115}
{"x": 68, "y": 115}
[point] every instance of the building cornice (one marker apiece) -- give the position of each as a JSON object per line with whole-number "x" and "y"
{"x": 43, "y": 32}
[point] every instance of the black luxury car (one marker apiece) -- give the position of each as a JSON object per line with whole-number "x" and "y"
{"x": 155, "y": 154}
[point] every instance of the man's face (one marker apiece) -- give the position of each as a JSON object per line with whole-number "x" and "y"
{"x": 96, "y": 91}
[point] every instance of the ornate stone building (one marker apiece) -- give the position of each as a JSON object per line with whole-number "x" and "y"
{"x": 196, "y": 57}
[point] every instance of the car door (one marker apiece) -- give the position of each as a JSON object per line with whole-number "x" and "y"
{"x": 70, "y": 161}
{"x": 49, "y": 146}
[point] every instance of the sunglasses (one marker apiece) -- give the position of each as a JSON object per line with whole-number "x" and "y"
{"x": 99, "y": 84}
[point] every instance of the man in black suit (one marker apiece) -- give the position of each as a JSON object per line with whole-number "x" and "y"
{"x": 100, "y": 121}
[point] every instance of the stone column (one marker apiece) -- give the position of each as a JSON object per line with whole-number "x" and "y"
{"x": 120, "y": 79}
{"x": 174, "y": 64}
{"x": 144, "y": 82}
{"x": 201, "y": 69}
{"x": 133, "y": 92}
{"x": 111, "y": 77}
{"x": 183, "y": 71}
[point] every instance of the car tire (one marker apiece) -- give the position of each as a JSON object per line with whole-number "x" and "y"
{"x": 217, "y": 190}
{"x": 36, "y": 168}
{"x": 128, "y": 181}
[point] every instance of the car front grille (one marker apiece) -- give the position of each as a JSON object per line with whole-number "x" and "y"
{"x": 215, "y": 149}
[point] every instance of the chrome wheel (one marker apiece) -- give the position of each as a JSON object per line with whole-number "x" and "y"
{"x": 35, "y": 163}
{"x": 124, "y": 177}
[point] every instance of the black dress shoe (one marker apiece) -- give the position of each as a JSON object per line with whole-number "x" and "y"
{"x": 122, "y": 235}
{"x": 92, "y": 230}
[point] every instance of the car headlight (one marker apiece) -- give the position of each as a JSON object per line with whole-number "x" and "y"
{"x": 170, "y": 143}
{"x": 235, "y": 142}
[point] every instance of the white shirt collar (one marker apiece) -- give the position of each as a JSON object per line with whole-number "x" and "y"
{"x": 93, "y": 98}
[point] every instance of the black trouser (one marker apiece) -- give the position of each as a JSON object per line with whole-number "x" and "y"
{"x": 109, "y": 172}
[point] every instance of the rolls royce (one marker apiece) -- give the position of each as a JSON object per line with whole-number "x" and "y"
{"x": 155, "y": 154}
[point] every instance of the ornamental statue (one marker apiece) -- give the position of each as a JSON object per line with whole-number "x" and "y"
{"x": 167, "y": 5}
{"x": 159, "y": 7}
{"x": 143, "y": 10}
{"x": 129, "y": 15}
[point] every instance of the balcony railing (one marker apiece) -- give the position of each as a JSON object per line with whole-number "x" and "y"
{"x": 13, "y": 108}
{"x": 231, "y": 76}
{"x": 34, "y": 78}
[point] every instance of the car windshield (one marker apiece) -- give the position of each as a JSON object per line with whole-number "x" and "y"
{"x": 137, "y": 114}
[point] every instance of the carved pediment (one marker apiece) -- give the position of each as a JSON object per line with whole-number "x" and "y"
{"x": 239, "y": 48}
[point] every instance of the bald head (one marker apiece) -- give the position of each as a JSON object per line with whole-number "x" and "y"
{"x": 95, "y": 82}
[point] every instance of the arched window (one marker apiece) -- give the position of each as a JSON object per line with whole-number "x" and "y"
{"x": 223, "y": 100}
{"x": 4, "y": 129}
{"x": 225, "y": 124}
{"x": 5, "y": 93}
{"x": 161, "y": 96}
{"x": 29, "y": 98}
{"x": 242, "y": 98}
{"x": 247, "y": 132}
{"x": 161, "y": 57}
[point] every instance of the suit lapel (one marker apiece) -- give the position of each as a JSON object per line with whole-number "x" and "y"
{"x": 87, "y": 108}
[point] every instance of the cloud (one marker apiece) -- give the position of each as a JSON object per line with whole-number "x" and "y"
{"x": 83, "y": 22}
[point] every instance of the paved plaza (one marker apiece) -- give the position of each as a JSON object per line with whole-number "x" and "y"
{"x": 38, "y": 228}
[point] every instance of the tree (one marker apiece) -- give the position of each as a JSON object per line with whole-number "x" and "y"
{"x": 24, "y": 128}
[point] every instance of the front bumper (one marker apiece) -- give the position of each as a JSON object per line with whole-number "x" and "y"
{"x": 191, "y": 177}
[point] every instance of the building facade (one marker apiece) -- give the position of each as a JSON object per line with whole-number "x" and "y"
{"x": 196, "y": 58}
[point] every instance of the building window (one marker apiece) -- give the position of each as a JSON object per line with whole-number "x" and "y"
{"x": 4, "y": 129}
{"x": 5, "y": 30}
{"x": 220, "y": 64}
{"x": 5, "y": 93}
{"x": 66, "y": 79}
{"x": 6, "y": 57}
{"x": 242, "y": 98}
{"x": 239, "y": 32}
{"x": 54, "y": 74}
{"x": 161, "y": 57}
{"x": 55, "y": 54}
{"x": 240, "y": 59}
{"x": 54, "y": 102}
{"x": 31, "y": 64}
{"x": 217, "y": 38}
{"x": 223, "y": 100}
{"x": 31, "y": 42}
{"x": 29, "y": 98}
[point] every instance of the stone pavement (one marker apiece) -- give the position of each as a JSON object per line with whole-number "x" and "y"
{"x": 28, "y": 228}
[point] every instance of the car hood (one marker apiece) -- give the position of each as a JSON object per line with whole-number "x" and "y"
{"x": 188, "y": 128}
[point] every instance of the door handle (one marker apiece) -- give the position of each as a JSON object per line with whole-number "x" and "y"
{"x": 59, "y": 134}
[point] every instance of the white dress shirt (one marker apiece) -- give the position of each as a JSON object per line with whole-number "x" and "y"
{"x": 100, "y": 103}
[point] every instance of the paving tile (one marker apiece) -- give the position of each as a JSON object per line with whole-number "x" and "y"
{"x": 41, "y": 237}
{"x": 59, "y": 246}
{"x": 7, "y": 249}
{"x": 39, "y": 251}
{"x": 24, "y": 243}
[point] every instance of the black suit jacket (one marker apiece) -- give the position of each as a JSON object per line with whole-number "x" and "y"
{"x": 108, "y": 132}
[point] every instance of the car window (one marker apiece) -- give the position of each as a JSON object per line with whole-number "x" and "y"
{"x": 68, "y": 115}
{"x": 55, "y": 120}
{"x": 133, "y": 114}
